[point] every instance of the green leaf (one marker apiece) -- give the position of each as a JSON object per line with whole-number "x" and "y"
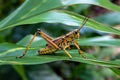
{"x": 116, "y": 70}
{"x": 20, "y": 71}
{"x": 100, "y": 41}
{"x": 10, "y": 51}
{"x": 93, "y": 24}
{"x": 101, "y": 3}
{"x": 109, "y": 18}
{"x": 69, "y": 18}
{"x": 36, "y": 11}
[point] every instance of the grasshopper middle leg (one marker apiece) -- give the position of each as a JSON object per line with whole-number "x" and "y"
{"x": 79, "y": 50}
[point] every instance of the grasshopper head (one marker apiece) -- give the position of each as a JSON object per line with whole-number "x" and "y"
{"x": 39, "y": 31}
{"x": 77, "y": 34}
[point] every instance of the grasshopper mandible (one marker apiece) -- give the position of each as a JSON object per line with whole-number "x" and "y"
{"x": 60, "y": 43}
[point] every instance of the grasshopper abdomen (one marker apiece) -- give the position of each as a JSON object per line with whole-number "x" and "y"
{"x": 47, "y": 50}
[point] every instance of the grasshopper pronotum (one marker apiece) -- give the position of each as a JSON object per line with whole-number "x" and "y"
{"x": 60, "y": 43}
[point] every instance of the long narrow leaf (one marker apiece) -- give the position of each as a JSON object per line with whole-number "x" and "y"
{"x": 100, "y": 41}
{"x": 38, "y": 12}
{"x": 10, "y": 51}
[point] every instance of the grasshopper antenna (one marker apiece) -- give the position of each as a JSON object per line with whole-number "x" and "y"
{"x": 83, "y": 23}
{"x": 28, "y": 46}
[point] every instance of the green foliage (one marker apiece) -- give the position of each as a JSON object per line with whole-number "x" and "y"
{"x": 39, "y": 12}
{"x": 49, "y": 11}
{"x": 109, "y": 18}
{"x": 116, "y": 70}
{"x": 100, "y": 41}
{"x": 10, "y": 51}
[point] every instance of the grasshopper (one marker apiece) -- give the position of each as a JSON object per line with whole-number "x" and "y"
{"x": 60, "y": 43}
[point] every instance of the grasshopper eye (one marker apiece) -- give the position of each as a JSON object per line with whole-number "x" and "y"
{"x": 76, "y": 32}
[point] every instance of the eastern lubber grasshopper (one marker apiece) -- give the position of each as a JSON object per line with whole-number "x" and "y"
{"x": 60, "y": 43}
